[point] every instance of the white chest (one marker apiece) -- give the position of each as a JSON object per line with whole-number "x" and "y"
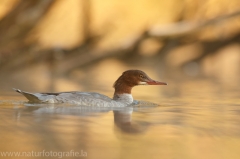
{"x": 123, "y": 98}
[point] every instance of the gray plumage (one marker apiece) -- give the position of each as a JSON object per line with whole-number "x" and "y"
{"x": 79, "y": 98}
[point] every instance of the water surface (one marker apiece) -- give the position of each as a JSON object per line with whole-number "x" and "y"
{"x": 196, "y": 119}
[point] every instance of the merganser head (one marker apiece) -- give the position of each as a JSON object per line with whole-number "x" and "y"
{"x": 133, "y": 78}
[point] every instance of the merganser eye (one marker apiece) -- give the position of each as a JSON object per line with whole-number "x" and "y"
{"x": 141, "y": 76}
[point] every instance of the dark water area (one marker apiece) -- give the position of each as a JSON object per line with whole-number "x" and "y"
{"x": 196, "y": 119}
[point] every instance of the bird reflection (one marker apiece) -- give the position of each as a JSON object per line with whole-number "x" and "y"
{"x": 123, "y": 120}
{"x": 122, "y": 116}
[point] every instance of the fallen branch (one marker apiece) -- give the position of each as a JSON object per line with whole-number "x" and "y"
{"x": 85, "y": 54}
{"x": 15, "y": 26}
{"x": 186, "y": 28}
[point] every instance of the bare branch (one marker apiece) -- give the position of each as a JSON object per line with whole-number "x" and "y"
{"x": 186, "y": 28}
{"x": 15, "y": 25}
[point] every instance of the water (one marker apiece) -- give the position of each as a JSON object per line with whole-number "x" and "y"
{"x": 195, "y": 120}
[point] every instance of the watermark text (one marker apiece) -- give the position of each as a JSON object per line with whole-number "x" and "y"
{"x": 44, "y": 153}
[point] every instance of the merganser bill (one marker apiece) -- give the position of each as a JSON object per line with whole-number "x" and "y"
{"x": 122, "y": 96}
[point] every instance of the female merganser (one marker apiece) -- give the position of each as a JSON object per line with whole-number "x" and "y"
{"x": 122, "y": 95}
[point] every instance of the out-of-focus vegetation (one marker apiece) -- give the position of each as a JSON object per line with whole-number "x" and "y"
{"x": 59, "y": 38}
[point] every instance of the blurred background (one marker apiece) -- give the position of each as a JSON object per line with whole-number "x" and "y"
{"x": 85, "y": 45}
{"x": 59, "y": 45}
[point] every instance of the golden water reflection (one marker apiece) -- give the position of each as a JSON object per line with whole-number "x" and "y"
{"x": 187, "y": 125}
{"x": 197, "y": 118}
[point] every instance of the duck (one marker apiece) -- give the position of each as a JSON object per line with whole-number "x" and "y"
{"x": 122, "y": 96}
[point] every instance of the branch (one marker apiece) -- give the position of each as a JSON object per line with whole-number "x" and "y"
{"x": 19, "y": 22}
{"x": 186, "y": 28}
{"x": 212, "y": 47}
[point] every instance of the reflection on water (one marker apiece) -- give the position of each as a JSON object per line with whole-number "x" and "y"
{"x": 194, "y": 123}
